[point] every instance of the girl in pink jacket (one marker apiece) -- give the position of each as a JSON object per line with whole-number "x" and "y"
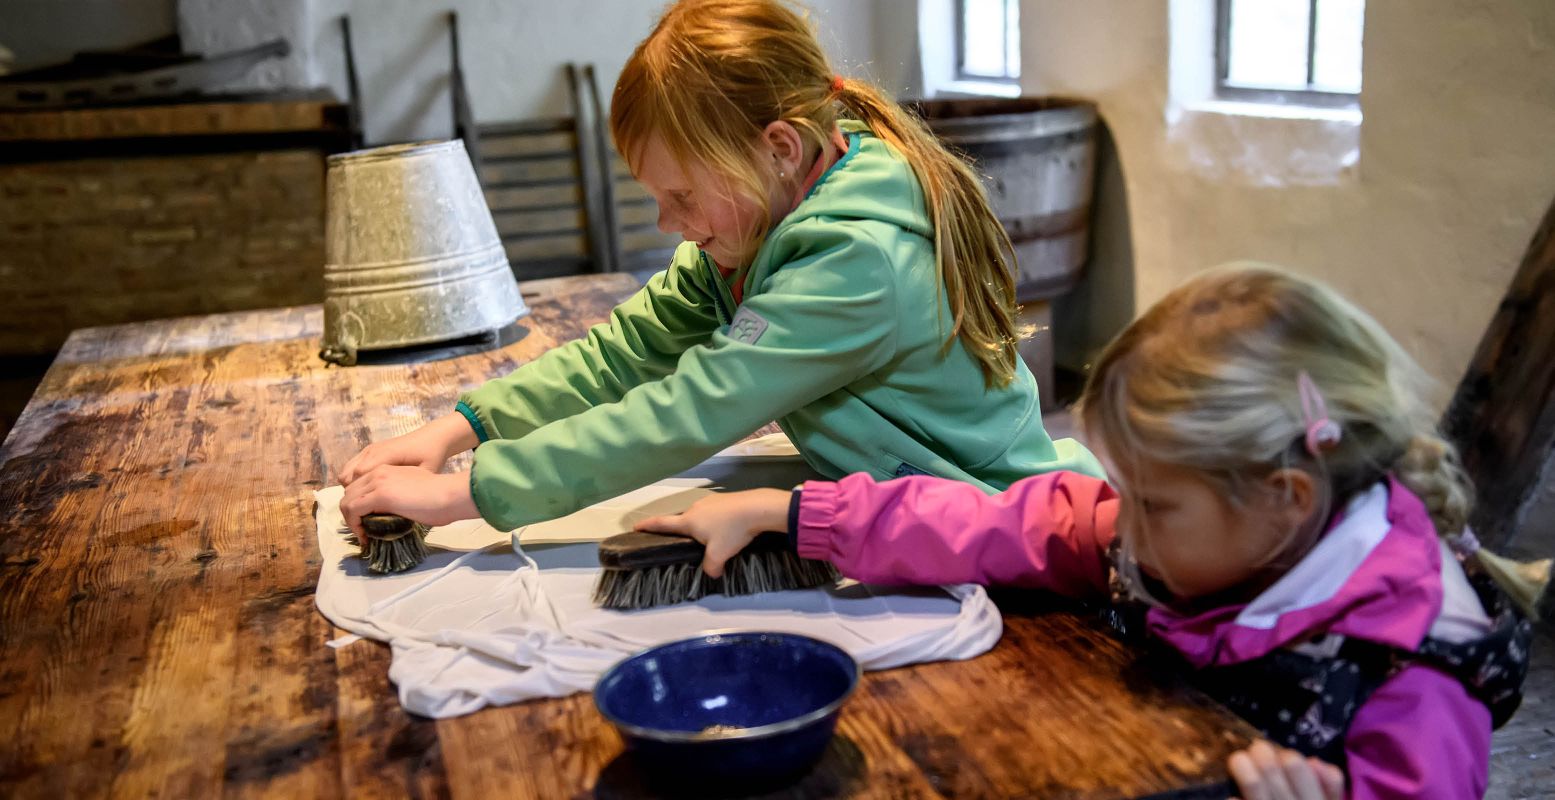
{"x": 1276, "y": 494}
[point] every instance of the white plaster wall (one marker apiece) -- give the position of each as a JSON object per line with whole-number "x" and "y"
{"x": 898, "y": 66}
{"x": 513, "y": 50}
{"x": 222, "y": 26}
{"x": 513, "y": 54}
{"x": 1456, "y": 166}
{"x": 44, "y": 32}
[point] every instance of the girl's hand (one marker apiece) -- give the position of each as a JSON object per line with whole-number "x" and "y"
{"x": 1265, "y": 771}
{"x": 411, "y": 492}
{"x": 725, "y": 523}
{"x": 427, "y": 447}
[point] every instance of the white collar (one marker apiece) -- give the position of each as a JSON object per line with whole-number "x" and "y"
{"x": 1323, "y": 572}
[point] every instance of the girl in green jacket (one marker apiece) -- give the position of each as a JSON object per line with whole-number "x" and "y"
{"x": 842, "y": 273}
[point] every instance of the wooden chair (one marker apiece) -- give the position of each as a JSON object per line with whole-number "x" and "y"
{"x": 532, "y": 177}
{"x": 562, "y": 199}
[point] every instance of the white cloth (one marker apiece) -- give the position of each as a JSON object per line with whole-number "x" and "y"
{"x": 489, "y": 620}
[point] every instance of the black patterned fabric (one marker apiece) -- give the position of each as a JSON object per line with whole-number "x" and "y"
{"x": 1307, "y": 702}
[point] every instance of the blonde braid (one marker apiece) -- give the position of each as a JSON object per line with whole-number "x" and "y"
{"x": 1431, "y": 469}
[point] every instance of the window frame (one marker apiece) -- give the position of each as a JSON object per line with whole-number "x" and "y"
{"x": 960, "y": 73}
{"x": 1307, "y": 96}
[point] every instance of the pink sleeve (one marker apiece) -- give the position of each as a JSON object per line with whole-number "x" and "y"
{"x": 1049, "y": 531}
{"x": 1420, "y": 735}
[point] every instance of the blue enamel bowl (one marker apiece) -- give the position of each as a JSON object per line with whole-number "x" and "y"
{"x": 728, "y": 709}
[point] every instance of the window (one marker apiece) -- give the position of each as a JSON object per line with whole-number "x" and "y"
{"x": 1289, "y": 51}
{"x": 988, "y": 40}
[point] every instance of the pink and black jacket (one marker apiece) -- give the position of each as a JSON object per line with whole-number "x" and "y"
{"x": 1374, "y": 652}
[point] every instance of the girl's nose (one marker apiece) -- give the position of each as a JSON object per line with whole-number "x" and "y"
{"x": 667, "y": 223}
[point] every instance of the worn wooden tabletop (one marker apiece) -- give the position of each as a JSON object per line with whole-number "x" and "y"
{"x": 158, "y": 635}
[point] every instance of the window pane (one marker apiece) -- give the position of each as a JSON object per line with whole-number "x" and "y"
{"x": 983, "y": 46}
{"x": 1338, "y": 56}
{"x": 1268, "y": 43}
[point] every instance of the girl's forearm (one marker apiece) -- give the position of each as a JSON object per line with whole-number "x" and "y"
{"x": 1048, "y": 531}
{"x": 454, "y": 431}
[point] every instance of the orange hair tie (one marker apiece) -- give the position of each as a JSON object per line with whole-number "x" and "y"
{"x": 836, "y": 84}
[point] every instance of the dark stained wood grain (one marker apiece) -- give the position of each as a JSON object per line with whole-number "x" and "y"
{"x": 1502, "y": 416}
{"x": 158, "y": 634}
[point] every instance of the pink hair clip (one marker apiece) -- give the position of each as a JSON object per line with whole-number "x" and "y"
{"x": 1322, "y": 432}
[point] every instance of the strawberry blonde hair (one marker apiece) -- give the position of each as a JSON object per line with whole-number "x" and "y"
{"x": 714, "y": 74}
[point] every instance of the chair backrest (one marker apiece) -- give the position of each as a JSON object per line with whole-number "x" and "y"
{"x": 533, "y": 180}
{"x": 562, "y": 198}
{"x": 632, "y": 241}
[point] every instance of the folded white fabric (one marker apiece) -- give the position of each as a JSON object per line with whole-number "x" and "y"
{"x": 489, "y": 620}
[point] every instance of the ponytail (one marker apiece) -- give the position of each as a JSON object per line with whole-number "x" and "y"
{"x": 1430, "y": 468}
{"x": 714, "y": 73}
{"x": 972, "y": 251}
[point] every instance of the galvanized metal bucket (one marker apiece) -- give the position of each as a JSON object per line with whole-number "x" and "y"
{"x": 411, "y": 254}
{"x": 1037, "y": 157}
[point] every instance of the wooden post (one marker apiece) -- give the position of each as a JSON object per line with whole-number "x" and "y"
{"x": 1502, "y": 416}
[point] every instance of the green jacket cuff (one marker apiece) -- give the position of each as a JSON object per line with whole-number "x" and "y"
{"x": 474, "y": 420}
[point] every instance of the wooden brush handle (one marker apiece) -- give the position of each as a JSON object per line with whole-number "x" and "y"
{"x": 387, "y": 527}
{"x": 642, "y": 550}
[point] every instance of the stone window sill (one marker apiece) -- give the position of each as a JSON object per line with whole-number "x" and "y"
{"x": 1265, "y": 144}
{"x": 977, "y": 89}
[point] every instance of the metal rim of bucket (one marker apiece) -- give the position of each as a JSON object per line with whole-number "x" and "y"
{"x": 348, "y": 305}
{"x": 454, "y": 333}
{"x": 395, "y": 151}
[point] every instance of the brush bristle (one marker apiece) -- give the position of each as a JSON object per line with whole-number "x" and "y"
{"x": 746, "y": 573}
{"x": 392, "y": 555}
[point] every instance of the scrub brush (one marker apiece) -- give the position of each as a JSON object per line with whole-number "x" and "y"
{"x": 394, "y": 543}
{"x": 642, "y": 570}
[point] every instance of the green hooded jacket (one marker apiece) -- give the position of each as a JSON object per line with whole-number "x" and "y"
{"x": 839, "y": 339}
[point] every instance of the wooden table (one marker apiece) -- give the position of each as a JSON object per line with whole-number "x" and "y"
{"x": 158, "y": 635}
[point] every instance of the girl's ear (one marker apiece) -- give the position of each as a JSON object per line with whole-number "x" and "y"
{"x": 1293, "y": 494}
{"x": 785, "y": 145}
